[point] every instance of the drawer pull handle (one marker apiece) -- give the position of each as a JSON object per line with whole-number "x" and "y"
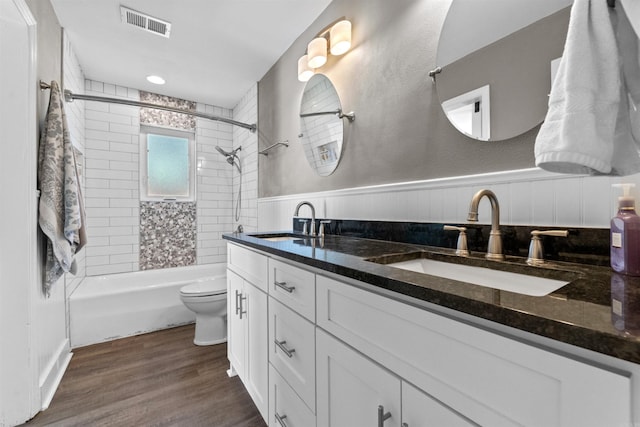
{"x": 280, "y": 419}
{"x": 382, "y": 416}
{"x": 283, "y": 285}
{"x": 243, "y": 309}
{"x": 237, "y": 302}
{"x": 285, "y": 350}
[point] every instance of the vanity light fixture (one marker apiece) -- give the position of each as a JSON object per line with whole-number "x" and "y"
{"x": 335, "y": 39}
{"x": 304, "y": 71}
{"x": 340, "y": 37}
{"x": 317, "y": 52}
{"x": 156, "y": 80}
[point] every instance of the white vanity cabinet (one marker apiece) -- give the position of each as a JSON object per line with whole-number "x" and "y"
{"x": 488, "y": 378}
{"x": 341, "y": 353}
{"x": 247, "y": 330}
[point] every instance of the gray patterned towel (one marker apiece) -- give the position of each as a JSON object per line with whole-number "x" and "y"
{"x": 61, "y": 211}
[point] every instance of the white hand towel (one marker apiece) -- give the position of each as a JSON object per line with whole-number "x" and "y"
{"x": 582, "y": 132}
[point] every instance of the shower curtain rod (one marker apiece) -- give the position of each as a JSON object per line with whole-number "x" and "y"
{"x": 70, "y": 97}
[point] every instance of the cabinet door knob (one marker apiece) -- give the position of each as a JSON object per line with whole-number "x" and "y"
{"x": 283, "y": 285}
{"x": 280, "y": 419}
{"x": 382, "y": 416}
{"x": 285, "y": 350}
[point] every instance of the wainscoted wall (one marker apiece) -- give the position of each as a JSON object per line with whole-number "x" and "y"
{"x": 527, "y": 197}
{"x": 112, "y": 179}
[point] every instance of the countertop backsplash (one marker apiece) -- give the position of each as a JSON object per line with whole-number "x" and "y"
{"x": 582, "y": 245}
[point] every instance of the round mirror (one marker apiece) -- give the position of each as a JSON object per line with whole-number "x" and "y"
{"x": 497, "y": 59}
{"x": 321, "y": 125}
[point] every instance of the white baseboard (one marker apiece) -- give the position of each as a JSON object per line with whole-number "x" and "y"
{"x": 51, "y": 376}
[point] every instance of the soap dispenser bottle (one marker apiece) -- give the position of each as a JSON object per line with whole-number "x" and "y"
{"x": 625, "y": 235}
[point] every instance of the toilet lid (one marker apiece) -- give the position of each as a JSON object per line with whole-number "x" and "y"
{"x": 205, "y": 287}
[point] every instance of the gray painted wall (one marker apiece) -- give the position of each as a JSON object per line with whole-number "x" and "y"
{"x": 400, "y": 133}
{"x": 49, "y": 49}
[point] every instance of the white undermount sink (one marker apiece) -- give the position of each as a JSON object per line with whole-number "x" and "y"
{"x": 503, "y": 280}
{"x": 280, "y": 238}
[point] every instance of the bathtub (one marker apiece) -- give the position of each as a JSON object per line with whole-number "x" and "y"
{"x": 103, "y": 308}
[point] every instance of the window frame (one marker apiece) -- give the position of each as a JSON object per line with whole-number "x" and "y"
{"x": 145, "y": 130}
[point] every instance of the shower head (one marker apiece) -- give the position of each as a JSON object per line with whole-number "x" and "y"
{"x": 228, "y": 154}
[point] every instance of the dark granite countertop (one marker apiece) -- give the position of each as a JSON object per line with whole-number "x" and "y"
{"x": 597, "y": 310}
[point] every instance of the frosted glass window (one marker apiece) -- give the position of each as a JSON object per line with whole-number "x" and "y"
{"x": 166, "y": 165}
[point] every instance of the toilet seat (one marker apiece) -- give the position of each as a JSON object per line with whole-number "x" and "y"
{"x": 204, "y": 288}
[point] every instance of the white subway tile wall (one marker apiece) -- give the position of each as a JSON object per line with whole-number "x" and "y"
{"x": 112, "y": 179}
{"x": 214, "y": 185}
{"x": 112, "y": 194}
{"x": 526, "y": 197}
{"x": 73, "y": 80}
{"x": 247, "y": 111}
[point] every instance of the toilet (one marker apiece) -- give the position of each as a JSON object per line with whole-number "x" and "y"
{"x": 207, "y": 298}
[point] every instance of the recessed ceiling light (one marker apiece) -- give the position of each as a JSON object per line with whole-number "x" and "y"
{"x": 157, "y": 80}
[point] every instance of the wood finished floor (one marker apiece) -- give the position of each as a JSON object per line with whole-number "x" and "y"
{"x": 156, "y": 379}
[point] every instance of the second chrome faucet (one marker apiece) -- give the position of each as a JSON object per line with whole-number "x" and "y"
{"x": 494, "y": 249}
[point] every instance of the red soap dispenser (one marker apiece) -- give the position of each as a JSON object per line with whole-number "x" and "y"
{"x": 625, "y": 235}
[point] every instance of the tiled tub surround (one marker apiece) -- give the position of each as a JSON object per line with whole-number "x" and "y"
{"x": 112, "y": 179}
{"x": 167, "y": 234}
{"x": 597, "y": 310}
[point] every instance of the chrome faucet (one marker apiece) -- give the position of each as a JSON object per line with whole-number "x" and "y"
{"x": 494, "y": 250}
{"x": 312, "y": 232}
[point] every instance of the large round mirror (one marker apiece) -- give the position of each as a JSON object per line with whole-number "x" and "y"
{"x": 497, "y": 59}
{"x": 321, "y": 125}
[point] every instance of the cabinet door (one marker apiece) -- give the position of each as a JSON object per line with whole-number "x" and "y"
{"x": 352, "y": 389}
{"x": 256, "y": 380}
{"x": 421, "y": 410}
{"x": 236, "y": 339}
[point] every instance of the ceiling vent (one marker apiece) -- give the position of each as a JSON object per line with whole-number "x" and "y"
{"x": 145, "y": 22}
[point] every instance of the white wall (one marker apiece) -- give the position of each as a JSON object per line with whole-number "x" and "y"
{"x": 527, "y": 197}
{"x": 19, "y": 393}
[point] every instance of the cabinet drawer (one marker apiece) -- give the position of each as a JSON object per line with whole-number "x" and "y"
{"x": 286, "y": 404}
{"x": 491, "y": 379}
{"x": 295, "y": 355}
{"x": 294, "y": 287}
{"x": 420, "y": 409}
{"x": 251, "y": 265}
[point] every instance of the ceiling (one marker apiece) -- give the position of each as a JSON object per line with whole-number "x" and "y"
{"x": 216, "y": 51}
